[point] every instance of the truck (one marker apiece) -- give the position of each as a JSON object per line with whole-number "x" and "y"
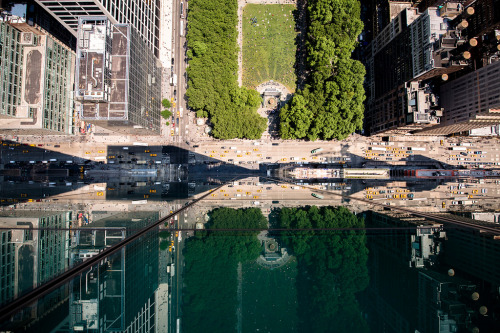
{"x": 458, "y": 148}
{"x": 377, "y": 148}
{"x": 181, "y": 110}
{"x": 173, "y": 80}
{"x": 416, "y": 148}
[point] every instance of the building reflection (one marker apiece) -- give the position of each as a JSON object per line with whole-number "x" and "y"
{"x": 426, "y": 278}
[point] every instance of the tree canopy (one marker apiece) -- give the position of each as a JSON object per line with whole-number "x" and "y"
{"x": 331, "y": 104}
{"x": 210, "y": 272}
{"x": 213, "y": 89}
{"x": 332, "y": 266}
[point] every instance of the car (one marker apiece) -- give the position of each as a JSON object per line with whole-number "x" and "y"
{"x": 120, "y": 156}
{"x": 268, "y": 157}
{"x": 175, "y": 92}
{"x": 275, "y": 144}
{"x": 195, "y": 146}
{"x": 172, "y": 61}
{"x": 131, "y": 153}
{"x": 57, "y": 146}
{"x": 134, "y": 159}
{"x": 146, "y": 151}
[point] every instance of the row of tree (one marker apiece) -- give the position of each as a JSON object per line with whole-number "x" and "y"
{"x": 213, "y": 89}
{"x": 331, "y": 104}
{"x": 332, "y": 266}
{"x": 210, "y": 276}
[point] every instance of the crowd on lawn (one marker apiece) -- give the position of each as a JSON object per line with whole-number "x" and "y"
{"x": 258, "y": 42}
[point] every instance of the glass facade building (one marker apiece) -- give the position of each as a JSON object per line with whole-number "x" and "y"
{"x": 38, "y": 78}
{"x": 143, "y": 15}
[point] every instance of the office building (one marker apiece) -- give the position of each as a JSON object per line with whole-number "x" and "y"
{"x": 31, "y": 256}
{"x": 143, "y": 15}
{"x": 7, "y": 257}
{"x": 442, "y": 304}
{"x": 471, "y": 101}
{"x": 108, "y": 297}
{"x": 485, "y": 19}
{"x": 36, "y": 79}
{"x": 465, "y": 252}
{"x": 118, "y": 78}
{"x": 413, "y": 48}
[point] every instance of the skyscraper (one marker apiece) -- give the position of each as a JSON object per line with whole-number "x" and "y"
{"x": 143, "y": 15}
{"x": 118, "y": 78}
{"x": 37, "y": 77}
{"x": 471, "y": 101}
{"x": 414, "y": 47}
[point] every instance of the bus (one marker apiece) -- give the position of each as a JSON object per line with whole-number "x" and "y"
{"x": 317, "y": 150}
{"x": 178, "y": 325}
{"x": 182, "y": 28}
{"x": 319, "y": 196}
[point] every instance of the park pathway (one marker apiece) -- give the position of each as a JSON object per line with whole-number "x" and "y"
{"x": 241, "y": 4}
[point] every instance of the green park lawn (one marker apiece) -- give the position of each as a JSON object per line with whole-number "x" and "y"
{"x": 268, "y": 45}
